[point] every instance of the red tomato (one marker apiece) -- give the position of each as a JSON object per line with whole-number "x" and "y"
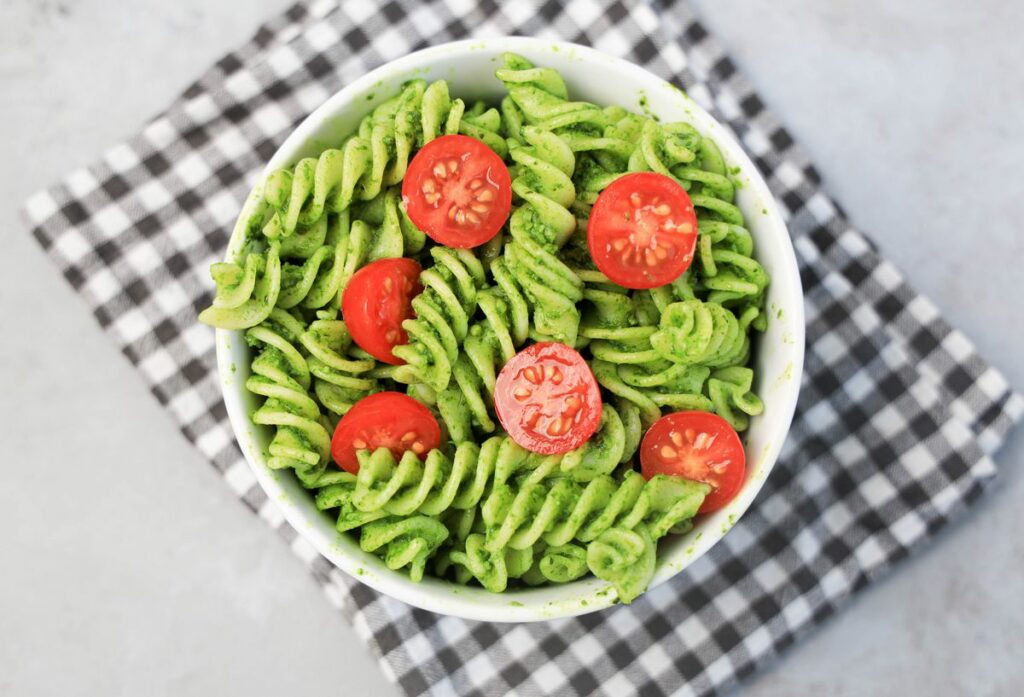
{"x": 458, "y": 191}
{"x": 643, "y": 230}
{"x": 699, "y": 446}
{"x": 376, "y": 300}
{"x": 389, "y": 420}
{"x": 547, "y": 399}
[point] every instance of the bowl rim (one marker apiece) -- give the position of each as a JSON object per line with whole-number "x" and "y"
{"x": 460, "y": 601}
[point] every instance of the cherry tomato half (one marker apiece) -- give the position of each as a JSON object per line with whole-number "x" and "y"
{"x": 547, "y": 399}
{"x": 389, "y": 420}
{"x": 699, "y": 446}
{"x": 458, "y": 191}
{"x": 643, "y": 230}
{"x": 376, "y": 300}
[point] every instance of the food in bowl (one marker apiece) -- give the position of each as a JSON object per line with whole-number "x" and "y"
{"x": 508, "y": 344}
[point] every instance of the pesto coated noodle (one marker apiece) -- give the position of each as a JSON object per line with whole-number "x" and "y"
{"x": 481, "y": 509}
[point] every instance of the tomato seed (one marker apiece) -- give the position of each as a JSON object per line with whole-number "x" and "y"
{"x": 531, "y": 415}
{"x": 719, "y": 467}
{"x": 453, "y": 166}
{"x": 690, "y": 435}
{"x": 660, "y": 253}
{"x": 634, "y": 198}
{"x": 619, "y": 245}
{"x": 700, "y": 442}
{"x": 388, "y": 284}
{"x": 418, "y": 448}
{"x": 521, "y": 393}
{"x": 429, "y": 187}
{"x": 676, "y": 437}
{"x": 359, "y": 444}
{"x": 409, "y": 436}
{"x": 439, "y": 171}
{"x": 684, "y": 228}
{"x": 475, "y": 184}
{"x": 485, "y": 195}
{"x": 663, "y": 210}
{"x": 531, "y": 375}
{"x": 478, "y": 207}
{"x": 472, "y": 217}
{"x": 668, "y": 452}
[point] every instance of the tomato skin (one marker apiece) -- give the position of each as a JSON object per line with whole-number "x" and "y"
{"x": 699, "y": 446}
{"x": 376, "y": 300}
{"x": 384, "y": 419}
{"x": 458, "y": 191}
{"x": 642, "y": 231}
{"x": 537, "y": 378}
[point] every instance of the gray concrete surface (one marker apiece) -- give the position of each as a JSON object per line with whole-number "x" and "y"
{"x": 129, "y": 569}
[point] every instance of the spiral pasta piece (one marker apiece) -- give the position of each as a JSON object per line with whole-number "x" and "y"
{"x": 375, "y": 157}
{"x": 612, "y": 146}
{"x": 281, "y": 375}
{"x": 404, "y": 542}
{"x": 654, "y": 385}
{"x": 323, "y": 275}
{"x": 246, "y": 292}
{"x": 334, "y": 493}
{"x": 430, "y": 486}
{"x": 693, "y": 332}
{"x": 461, "y": 523}
{"x": 443, "y": 311}
{"x": 665, "y": 148}
{"x": 538, "y": 226}
{"x": 602, "y": 453}
{"x": 343, "y": 372}
{"x": 624, "y": 558}
{"x": 491, "y": 569}
{"x": 558, "y": 512}
{"x": 560, "y": 564}
{"x": 730, "y": 391}
{"x": 541, "y": 99}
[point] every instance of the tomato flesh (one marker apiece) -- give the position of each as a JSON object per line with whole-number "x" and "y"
{"x": 458, "y": 191}
{"x": 389, "y": 420}
{"x": 547, "y": 399}
{"x": 642, "y": 230}
{"x": 699, "y": 446}
{"x": 376, "y": 300}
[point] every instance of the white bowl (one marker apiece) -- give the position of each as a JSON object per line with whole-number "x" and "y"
{"x": 592, "y": 76}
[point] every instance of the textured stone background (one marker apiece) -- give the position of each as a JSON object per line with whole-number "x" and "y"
{"x": 127, "y": 566}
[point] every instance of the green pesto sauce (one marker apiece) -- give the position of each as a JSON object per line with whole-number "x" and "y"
{"x": 645, "y": 107}
{"x": 786, "y": 374}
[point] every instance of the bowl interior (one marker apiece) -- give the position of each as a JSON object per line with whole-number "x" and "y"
{"x": 469, "y": 68}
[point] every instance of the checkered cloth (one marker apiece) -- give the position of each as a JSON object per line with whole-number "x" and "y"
{"x": 893, "y": 436}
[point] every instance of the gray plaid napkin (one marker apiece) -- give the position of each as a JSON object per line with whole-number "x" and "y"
{"x": 892, "y": 439}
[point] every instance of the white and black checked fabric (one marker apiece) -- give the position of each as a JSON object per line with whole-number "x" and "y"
{"x": 893, "y": 436}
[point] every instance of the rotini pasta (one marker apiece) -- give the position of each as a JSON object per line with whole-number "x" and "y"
{"x": 473, "y": 505}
